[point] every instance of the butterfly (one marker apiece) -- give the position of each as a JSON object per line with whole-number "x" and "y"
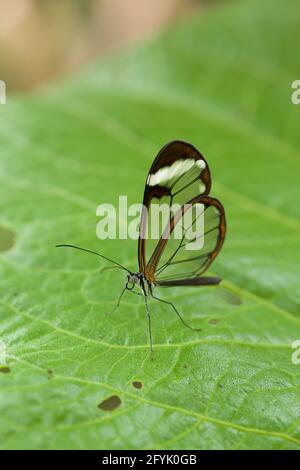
{"x": 179, "y": 178}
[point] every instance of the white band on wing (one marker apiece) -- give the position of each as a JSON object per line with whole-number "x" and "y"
{"x": 178, "y": 168}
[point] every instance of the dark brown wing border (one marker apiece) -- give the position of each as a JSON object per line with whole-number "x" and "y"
{"x": 154, "y": 260}
{"x": 171, "y": 152}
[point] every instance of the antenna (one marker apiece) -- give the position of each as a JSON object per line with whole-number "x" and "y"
{"x": 95, "y": 253}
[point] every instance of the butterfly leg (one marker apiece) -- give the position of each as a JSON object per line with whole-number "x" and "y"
{"x": 148, "y": 316}
{"x": 149, "y": 325}
{"x": 136, "y": 293}
{"x": 176, "y": 311}
{"x": 149, "y": 320}
{"x": 119, "y": 301}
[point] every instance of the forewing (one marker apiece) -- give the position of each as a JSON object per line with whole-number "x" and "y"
{"x": 179, "y": 174}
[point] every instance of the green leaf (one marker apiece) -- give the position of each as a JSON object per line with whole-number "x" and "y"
{"x": 223, "y": 82}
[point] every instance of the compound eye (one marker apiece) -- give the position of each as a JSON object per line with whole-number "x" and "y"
{"x": 128, "y": 286}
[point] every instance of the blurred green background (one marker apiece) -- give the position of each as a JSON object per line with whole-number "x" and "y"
{"x": 43, "y": 39}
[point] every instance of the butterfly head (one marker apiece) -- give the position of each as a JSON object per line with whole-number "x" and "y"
{"x": 133, "y": 279}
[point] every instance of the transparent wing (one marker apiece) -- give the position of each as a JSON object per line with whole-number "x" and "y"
{"x": 178, "y": 175}
{"x": 195, "y": 237}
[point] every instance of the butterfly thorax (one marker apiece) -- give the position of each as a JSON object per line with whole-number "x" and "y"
{"x": 134, "y": 278}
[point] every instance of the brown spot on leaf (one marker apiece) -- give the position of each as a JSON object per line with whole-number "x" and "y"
{"x": 7, "y": 238}
{"x": 5, "y": 369}
{"x": 137, "y": 384}
{"x": 214, "y": 321}
{"x": 111, "y": 403}
{"x": 229, "y": 297}
{"x": 49, "y": 373}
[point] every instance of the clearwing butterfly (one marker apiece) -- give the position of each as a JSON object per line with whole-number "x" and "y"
{"x": 179, "y": 177}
